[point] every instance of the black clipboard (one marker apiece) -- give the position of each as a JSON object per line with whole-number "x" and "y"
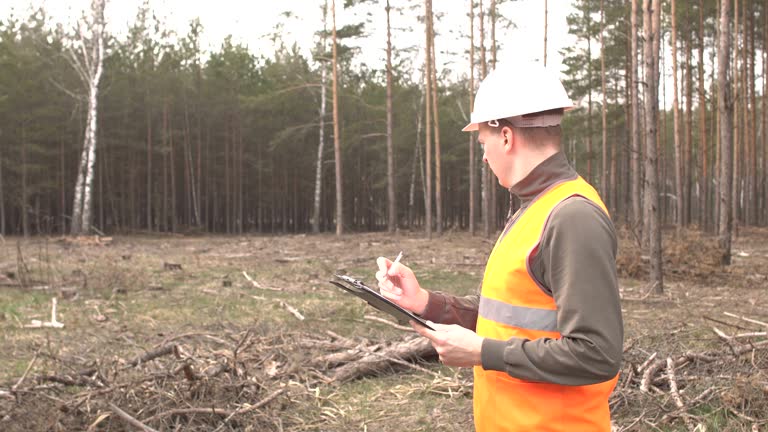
{"x": 373, "y": 298}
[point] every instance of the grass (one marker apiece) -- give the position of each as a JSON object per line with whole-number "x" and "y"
{"x": 144, "y": 304}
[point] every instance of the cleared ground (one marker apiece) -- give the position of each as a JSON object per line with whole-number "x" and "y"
{"x": 238, "y": 342}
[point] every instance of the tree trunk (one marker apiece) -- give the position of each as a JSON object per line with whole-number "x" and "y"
{"x": 734, "y": 164}
{"x": 587, "y": 23}
{"x": 436, "y": 122}
{"x": 472, "y": 163}
{"x": 753, "y": 197}
{"x": 604, "y": 110}
{"x": 428, "y": 124}
{"x": 726, "y": 129}
{"x": 485, "y": 183}
{"x": 149, "y": 163}
{"x": 321, "y": 143}
{"x": 391, "y": 203}
{"x": 336, "y": 138}
{"x": 764, "y": 188}
{"x": 545, "y": 32}
{"x": 90, "y": 70}
{"x": 651, "y": 17}
{"x": 415, "y": 165}
{"x": 635, "y": 146}
{"x": 676, "y": 120}
{"x": 688, "y": 162}
{"x": 24, "y": 180}
{"x": 703, "y": 180}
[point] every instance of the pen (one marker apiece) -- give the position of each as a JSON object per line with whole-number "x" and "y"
{"x": 397, "y": 260}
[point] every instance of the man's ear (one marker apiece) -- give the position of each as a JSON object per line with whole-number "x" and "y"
{"x": 508, "y": 137}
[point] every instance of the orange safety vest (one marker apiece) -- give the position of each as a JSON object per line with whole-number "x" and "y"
{"x": 513, "y": 305}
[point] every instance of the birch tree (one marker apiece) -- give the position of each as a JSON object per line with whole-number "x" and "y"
{"x": 87, "y": 58}
{"x": 321, "y": 142}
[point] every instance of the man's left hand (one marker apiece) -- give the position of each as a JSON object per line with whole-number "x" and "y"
{"x": 456, "y": 345}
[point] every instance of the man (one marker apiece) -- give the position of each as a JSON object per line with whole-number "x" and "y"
{"x": 545, "y": 334}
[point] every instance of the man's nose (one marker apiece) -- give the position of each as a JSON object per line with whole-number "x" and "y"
{"x": 485, "y": 159}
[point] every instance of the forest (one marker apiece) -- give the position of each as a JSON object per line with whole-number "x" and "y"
{"x": 170, "y": 214}
{"x": 230, "y": 141}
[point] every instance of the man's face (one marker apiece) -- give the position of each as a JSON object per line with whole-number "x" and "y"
{"x": 494, "y": 152}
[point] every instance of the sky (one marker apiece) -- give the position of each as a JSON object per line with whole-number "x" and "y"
{"x": 253, "y": 22}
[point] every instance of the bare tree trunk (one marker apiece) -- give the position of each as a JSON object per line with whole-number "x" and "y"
{"x": 89, "y": 68}
{"x": 2, "y": 197}
{"x": 604, "y": 110}
{"x": 734, "y": 209}
{"x": 491, "y": 183}
{"x": 651, "y": 17}
{"x": 752, "y": 160}
{"x": 436, "y": 122}
{"x": 321, "y": 143}
{"x": 485, "y": 188}
{"x": 635, "y": 146}
{"x": 336, "y": 138}
{"x": 703, "y": 181}
{"x": 545, "y": 32}
{"x": 726, "y": 128}
{"x": 676, "y": 120}
{"x": 587, "y": 23}
{"x": 391, "y": 203}
{"x": 688, "y": 163}
{"x": 174, "y": 214}
{"x": 472, "y": 163}
{"x": 24, "y": 175}
{"x": 416, "y": 165}
{"x": 428, "y": 125}
{"x": 149, "y": 163}
{"x": 764, "y": 190}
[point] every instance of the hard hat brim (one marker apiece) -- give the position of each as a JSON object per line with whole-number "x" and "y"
{"x": 470, "y": 127}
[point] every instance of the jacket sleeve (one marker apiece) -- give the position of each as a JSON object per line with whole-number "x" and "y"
{"x": 447, "y": 309}
{"x": 577, "y": 262}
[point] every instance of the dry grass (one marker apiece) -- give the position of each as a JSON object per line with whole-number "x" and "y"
{"x": 121, "y": 300}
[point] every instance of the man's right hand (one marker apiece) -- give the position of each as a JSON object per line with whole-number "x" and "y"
{"x": 398, "y": 283}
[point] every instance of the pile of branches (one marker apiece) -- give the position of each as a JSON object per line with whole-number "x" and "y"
{"x": 261, "y": 380}
{"x": 220, "y": 381}
{"x": 693, "y": 389}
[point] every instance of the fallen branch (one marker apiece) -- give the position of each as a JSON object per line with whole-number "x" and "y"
{"x": 389, "y": 323}
{"x": 673, "y": 390}
{"x": 338, "y": 358}
{"x": 181, "y": 411}
{"x": 295, "y": 312}
{"x": 151, "y": 355}
{"x": 53, "y": 323}
{"x": 646, "y": 363}
{"x": 258, "y": 285}
{"x": 26, "y": 371}
{"x": 412, "y": 349}
{"x": 743, "y": 318}
{"x": 249, "y": 408}
{"x": 132, "y": 421}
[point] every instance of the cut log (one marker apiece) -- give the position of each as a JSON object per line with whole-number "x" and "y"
{"x": 409, "y": 350}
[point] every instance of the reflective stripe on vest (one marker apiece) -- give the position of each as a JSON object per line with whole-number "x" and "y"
{"x": 512, "y": 304}
{"x": 518, "y": 316}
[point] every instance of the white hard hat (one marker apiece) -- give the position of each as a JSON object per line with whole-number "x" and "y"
{"x": 510, "y": 92}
